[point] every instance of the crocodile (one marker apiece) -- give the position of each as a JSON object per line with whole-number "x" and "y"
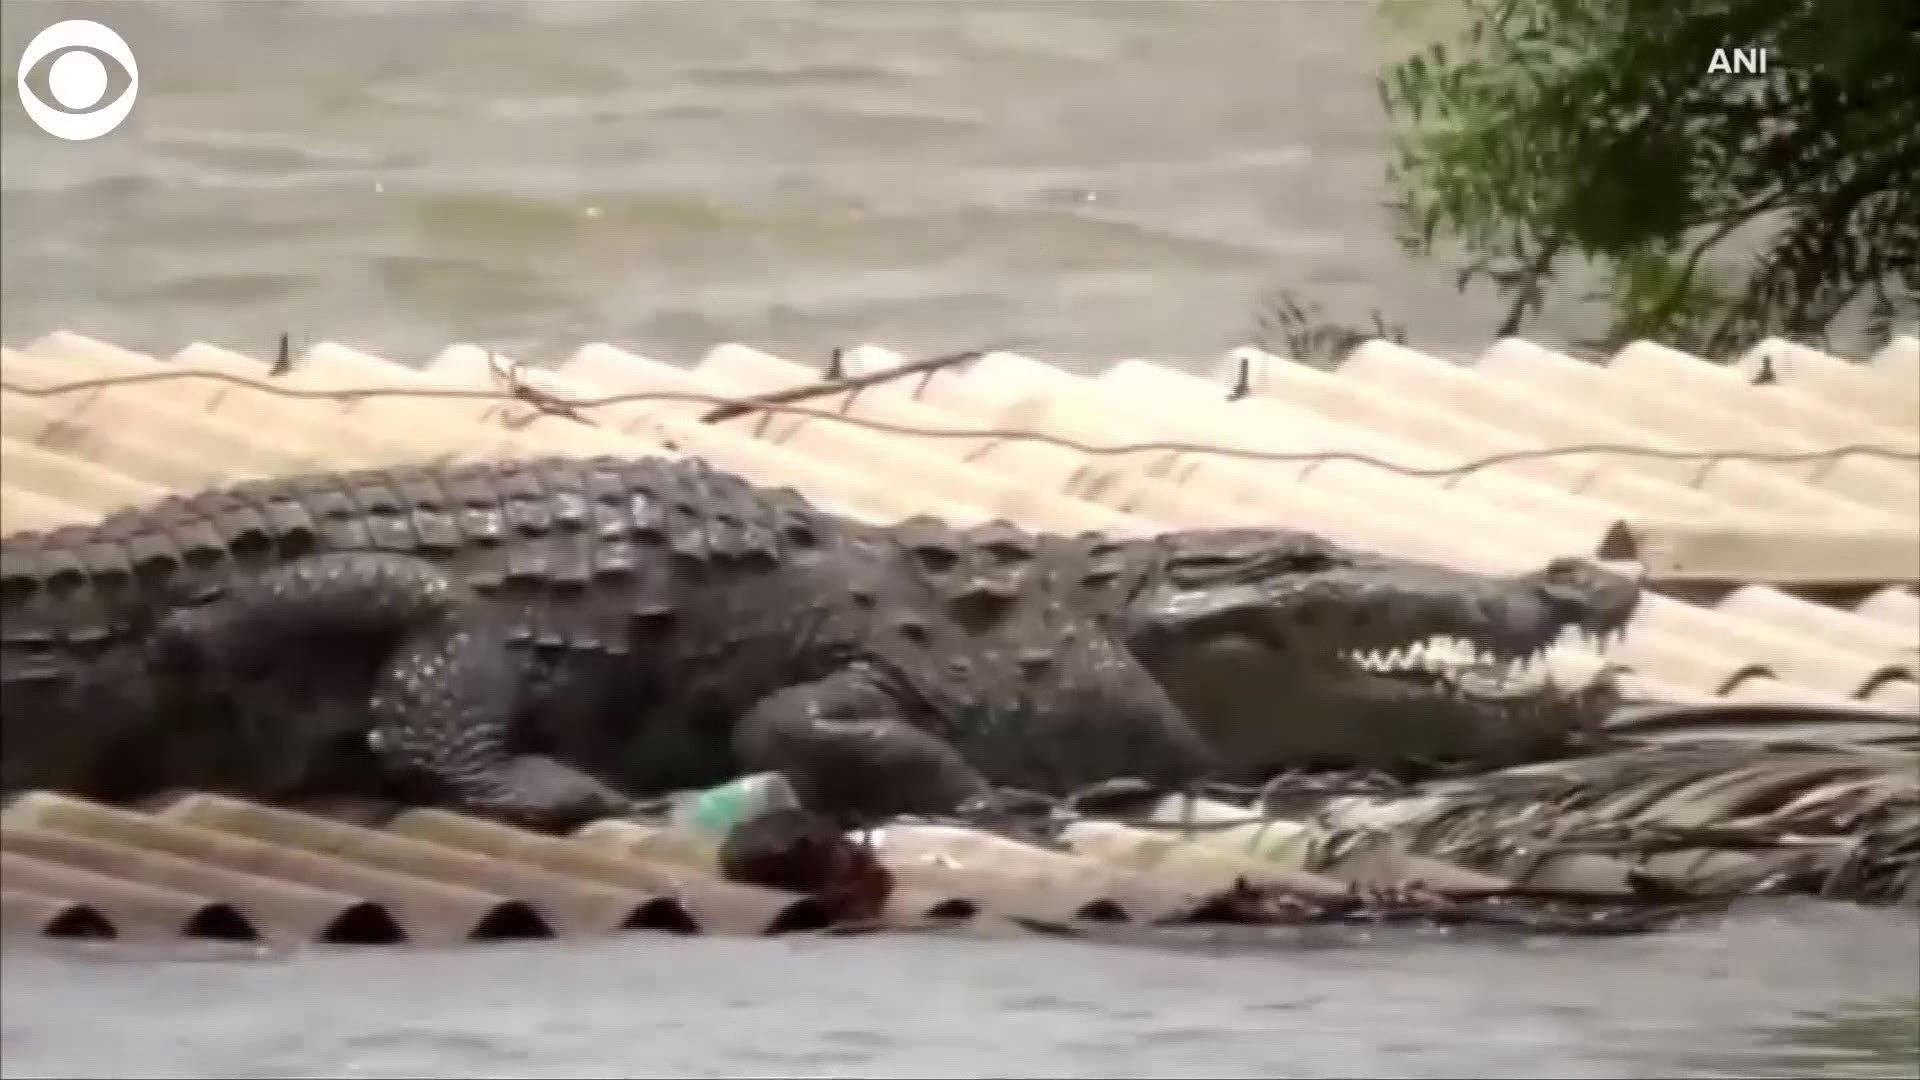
{"x": 544, "y": 641}
{"x": 1290, "y": 650}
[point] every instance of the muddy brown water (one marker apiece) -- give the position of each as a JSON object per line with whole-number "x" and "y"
{"x": 1085, "y": 182}
{"x": 1782, "y": 989}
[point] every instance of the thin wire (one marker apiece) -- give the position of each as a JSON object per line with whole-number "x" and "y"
{"x": 564, "y": 405}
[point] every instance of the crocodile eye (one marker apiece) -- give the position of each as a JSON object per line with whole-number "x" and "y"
{"x": 1305, "y": 561}
{"x": 935, "y": 559}
{"x": 1203, "y": 569}
{"x": 1004, "y": 552}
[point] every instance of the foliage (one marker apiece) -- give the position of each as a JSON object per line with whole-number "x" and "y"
{"x": 1300, "y": 330}
{"x": 1566, "y": 132}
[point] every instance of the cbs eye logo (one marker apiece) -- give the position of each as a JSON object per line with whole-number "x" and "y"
{"x": 78, "y": 80}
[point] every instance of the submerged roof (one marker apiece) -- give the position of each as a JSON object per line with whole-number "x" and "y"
{"x": 1784, "y": 577}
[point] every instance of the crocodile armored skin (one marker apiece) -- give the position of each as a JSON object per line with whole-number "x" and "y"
{"x": 544, "y": 640}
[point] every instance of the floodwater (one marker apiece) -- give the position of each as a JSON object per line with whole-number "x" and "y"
{"x": 1786, "y": 990}
{"x": 1084, "y": 182}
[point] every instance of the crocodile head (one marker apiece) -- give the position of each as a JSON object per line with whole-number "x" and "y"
{"x": 1341, "y": 608}
{"x": 1289, "y": 649}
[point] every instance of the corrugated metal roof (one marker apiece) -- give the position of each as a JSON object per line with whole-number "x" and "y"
{"x": 221, "y": 869}
{"x": 1787, "y": 580}
{"x": 1762, "y": 529}
{"x": 1757, "y": 534}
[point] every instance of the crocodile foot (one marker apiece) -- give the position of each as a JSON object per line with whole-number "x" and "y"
{"x": 848, "y": 760}
{"x": 537, "y": 792}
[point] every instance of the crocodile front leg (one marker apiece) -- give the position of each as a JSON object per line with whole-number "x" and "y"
{"x": 445, "y": 691}
{"x": 443, "y": 709}
{"x": 840, "y": 743}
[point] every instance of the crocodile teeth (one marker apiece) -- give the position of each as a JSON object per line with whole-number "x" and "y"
{"x": 1602, "y": 640}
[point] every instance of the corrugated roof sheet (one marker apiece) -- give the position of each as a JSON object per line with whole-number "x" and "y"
{"x": 1752, "y": 537}
{"x": 1782, "y": 580}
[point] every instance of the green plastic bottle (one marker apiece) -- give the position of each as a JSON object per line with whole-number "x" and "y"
{"x": 714, "y": 811}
